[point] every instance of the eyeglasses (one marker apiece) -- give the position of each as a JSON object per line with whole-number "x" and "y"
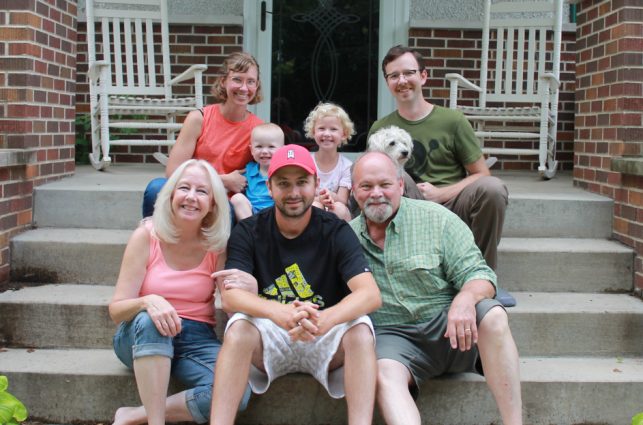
{"x": 394, "y": 77}
{"x": 238, "y": 81}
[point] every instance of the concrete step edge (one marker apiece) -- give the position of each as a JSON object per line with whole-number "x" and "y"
{"x": 508, "y": 244}
{"x": 100, "y": 362}
{"x": 527, "y": 302}
{"x": 547, "y": 244}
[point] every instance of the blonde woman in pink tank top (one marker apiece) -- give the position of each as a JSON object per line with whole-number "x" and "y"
{"x": 164, "y": 298}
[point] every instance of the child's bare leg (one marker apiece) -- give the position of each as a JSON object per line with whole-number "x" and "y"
{"x": 242, "y": 206}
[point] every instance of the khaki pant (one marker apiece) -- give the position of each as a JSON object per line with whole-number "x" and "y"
{"x": 482, "y": 205}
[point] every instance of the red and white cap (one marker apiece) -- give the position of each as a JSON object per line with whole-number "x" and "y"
{"x": 292, "y": 155}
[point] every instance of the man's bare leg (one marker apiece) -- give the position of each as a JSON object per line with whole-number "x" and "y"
{"x": 357, "y": 353}
{"x": 499, "y": 357}
{"x": 241, "y": 346}
{"x": 393, "y": 396}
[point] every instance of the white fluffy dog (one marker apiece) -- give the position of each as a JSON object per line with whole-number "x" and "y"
{"x": 394, "y": 141}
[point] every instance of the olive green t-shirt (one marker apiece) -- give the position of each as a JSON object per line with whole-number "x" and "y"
{"x": 443, "y": 142}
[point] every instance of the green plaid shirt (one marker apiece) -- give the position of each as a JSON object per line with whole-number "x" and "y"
{"x": 429, "y": 254}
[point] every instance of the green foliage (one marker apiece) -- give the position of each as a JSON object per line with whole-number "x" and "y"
{"x": 12, "y": 411}
{"x": 638, "y": 419}
{"x": 83, "y": 138}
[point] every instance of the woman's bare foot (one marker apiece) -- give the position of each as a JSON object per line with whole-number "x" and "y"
{"x": 129, "y": 416}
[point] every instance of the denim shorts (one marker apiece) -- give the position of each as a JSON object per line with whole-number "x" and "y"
{"x": 193, "y": 352}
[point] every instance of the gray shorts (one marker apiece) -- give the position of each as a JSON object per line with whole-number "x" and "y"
{"x": 281, "y": 356}
{"x": 424, "y": 350}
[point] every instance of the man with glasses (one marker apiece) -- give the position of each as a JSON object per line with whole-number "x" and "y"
{"x": 447, "y": 163}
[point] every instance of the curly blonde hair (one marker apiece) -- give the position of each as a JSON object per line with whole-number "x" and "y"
{"x": 329, "y": 110}
{"x": 235, "y": 62}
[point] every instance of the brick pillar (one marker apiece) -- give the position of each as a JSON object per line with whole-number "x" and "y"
{"x": 37, "y": 89}
{"x": 609, "y": 113}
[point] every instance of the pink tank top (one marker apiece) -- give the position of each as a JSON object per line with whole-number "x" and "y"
{"x": 191, "y": 292}
{"x": 225, "y": 144}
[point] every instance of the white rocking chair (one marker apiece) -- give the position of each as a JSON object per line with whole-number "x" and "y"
{"x": 526, "y": 73}
{"x": 127, "y": 81}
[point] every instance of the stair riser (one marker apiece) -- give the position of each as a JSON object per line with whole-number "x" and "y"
{"x": 524, "y": 218}
{"x": 63, "y": 326}
{"x": 536, "y": 334}
{"x": 542, "y": 218}
{"x": 67, "y": 398}
{"x": 56, "y": 262}
{"x": 580, "y": 334}
{"x": 565, "y": 271}
{"x": 91, "y": 209}
{"x": 56, "y": 326}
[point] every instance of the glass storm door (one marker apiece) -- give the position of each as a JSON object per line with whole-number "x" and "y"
{"x": 324, "y": 51}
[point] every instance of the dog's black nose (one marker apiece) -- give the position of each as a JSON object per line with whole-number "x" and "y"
{"x": 405, "y": 153}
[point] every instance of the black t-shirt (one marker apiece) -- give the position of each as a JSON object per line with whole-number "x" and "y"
{"x": 314, "y": 266}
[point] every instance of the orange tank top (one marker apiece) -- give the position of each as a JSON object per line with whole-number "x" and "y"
{"x": 225, "y": 144}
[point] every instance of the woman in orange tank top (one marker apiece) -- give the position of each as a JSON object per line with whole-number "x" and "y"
{"x": 220, "y": 133}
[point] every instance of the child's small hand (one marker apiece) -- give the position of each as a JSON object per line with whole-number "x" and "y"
{"x": 326, "y": 198}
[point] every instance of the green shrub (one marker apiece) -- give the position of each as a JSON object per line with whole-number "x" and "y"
{"x": 84, "y": 134}
{"x": 638, "y": 419}
{"x": 83, "y": 138}
{"x": 12, "y": 411}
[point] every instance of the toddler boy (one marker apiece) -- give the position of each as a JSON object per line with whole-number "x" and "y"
{"x": 265, "y": 139}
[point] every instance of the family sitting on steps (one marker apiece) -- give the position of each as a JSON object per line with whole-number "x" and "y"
{"x": 371, "y": 304}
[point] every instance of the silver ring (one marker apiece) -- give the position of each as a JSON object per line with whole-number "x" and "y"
{"x": 467, "y": 330}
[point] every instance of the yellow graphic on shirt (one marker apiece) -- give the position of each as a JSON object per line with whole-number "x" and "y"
{"x": 292, "y": 286}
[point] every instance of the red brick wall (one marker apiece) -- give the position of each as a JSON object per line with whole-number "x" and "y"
{"x": 37, "y": 85}
{"x": 457, "y": 50}
{"x": 609, "y": 111}
{"x": 189, "y": 44}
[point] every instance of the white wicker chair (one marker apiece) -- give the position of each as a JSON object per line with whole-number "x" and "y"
{"x": 526, "y": 73}
{"x": 128, "y": 89}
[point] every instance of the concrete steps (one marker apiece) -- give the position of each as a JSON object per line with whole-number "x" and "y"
{"x": 560, "y": 324}
{"x": 536, "y": 208}
{"x": 578, "y": 332}
{"x": 564, "y": 264}
{"x": 88, "y": 385}
{"x": 524, "y": 264}
{"x": 57, "y": 255}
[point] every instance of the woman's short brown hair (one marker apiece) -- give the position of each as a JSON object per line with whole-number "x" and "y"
{"x": 236, "y": 62}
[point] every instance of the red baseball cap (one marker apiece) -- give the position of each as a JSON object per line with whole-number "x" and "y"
{"x": 292, "y": 155}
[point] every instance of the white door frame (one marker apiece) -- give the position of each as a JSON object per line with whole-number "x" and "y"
{"x": 394, "y": 29}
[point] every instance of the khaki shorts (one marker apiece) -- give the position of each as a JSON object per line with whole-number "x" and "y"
{"x": 424, "y": 350}
{"x": 281, "y": 356}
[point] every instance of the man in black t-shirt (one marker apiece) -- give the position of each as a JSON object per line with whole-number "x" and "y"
{"x": 310, "y": 291}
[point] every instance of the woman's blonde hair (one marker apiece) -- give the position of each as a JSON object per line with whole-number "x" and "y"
{"x": 236, "y": 62}
{"x": 329, "y": 110}
{"x": 215, "y": 226}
